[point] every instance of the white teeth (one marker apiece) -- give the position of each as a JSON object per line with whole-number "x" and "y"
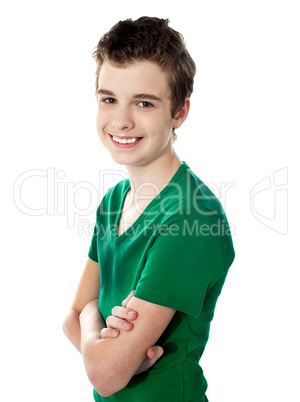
{"x": 124, "y": 141}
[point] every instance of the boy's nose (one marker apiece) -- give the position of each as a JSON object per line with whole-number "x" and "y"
{"x": 122, "y": 119}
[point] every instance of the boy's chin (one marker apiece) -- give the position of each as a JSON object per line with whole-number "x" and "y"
{"x": 121, "y": 161}
{"x": 128, "y": 162}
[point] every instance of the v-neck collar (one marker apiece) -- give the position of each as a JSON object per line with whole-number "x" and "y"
{"x": 156, "y": 199}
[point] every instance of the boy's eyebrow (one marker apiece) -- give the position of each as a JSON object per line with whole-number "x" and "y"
{"x": 105, "y": 92}
{"x": 136, "y": 96}
{"x": 147, "y": 96}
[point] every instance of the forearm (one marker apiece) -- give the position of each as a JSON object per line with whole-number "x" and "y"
{"x": 92, "y": 348}
{"x": 99, "y": 358}
{"x": 91, "y": 324}
{"x": 71, "y": 327}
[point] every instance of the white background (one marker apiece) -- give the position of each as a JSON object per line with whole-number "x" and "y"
{"x": 243, "y": 127}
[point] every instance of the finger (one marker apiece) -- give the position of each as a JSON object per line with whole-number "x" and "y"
{"x": 126, "y": 301}
{"x": 148, "y": 362}
{"x": 118, "y": 323}
{"x": 123, "y": 312}
{"x": 109, "y": 333}
{"x": 155, "y": 352}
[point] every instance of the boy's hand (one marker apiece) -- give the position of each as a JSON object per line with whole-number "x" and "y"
{"x": 121, "y": 320}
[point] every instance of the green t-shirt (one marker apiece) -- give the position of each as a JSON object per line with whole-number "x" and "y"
{"x": 176, "y": 254}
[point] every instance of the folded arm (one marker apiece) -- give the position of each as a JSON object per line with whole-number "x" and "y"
{"x": 110, "y": 363}
{"x": 87, "y": 292}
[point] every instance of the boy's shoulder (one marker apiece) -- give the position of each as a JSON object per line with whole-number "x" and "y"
{"x": 193, "y": 195}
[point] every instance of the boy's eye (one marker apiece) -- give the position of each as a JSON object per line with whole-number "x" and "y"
{"x": 109, "y": 100}
{"x": 145, "y": 104}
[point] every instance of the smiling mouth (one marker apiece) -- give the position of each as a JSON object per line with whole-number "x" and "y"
{"x": 127, "y": 140}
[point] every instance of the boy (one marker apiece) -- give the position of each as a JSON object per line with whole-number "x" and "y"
{"x": 162, "y": 233}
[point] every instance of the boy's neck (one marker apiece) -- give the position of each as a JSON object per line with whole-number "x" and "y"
{"x": 147, "y": 181}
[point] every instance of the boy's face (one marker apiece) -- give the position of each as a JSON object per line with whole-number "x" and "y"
{"x": 134, "y": 119}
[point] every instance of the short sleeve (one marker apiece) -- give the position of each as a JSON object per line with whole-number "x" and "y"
{"x": 184, "y": 262}
{"x": 93, "y": 251}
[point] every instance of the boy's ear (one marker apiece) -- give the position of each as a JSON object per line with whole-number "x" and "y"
{"x": 182, "y": 114}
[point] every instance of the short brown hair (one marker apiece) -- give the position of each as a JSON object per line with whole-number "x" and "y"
{"x": 150, "y": 38}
